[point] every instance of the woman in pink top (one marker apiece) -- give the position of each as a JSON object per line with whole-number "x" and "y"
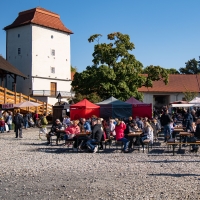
{"x": 72, "y": 131}
{"x": 119, "y": 129}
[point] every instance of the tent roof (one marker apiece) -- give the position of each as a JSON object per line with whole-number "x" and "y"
{"x": 84, "y": 104}
{"x": 195, "y": 100}
{"x": 112, "y": 100}
{"x": 132, "y": 100}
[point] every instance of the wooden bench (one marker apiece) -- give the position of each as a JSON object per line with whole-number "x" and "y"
{"x": 174, "y": 143}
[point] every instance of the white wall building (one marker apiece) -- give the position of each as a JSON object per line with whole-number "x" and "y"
{"x": 38, "y": 44}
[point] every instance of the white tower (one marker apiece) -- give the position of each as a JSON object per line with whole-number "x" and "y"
{"x": 38, "y": 44}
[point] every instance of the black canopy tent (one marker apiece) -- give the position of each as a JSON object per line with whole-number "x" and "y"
{"x": 114, "y": 108}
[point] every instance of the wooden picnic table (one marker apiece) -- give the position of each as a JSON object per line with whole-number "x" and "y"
{"x": 136, "y": 134}
{"x": 83, "y": 134}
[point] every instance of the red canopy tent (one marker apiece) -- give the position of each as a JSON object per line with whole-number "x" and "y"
{"x": 84, "y": 109}
{"x": 139, "y": 108}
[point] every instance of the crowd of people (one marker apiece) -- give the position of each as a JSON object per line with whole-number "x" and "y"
{"x": 98, "y": 130}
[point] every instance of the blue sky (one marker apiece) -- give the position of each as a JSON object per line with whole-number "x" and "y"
{"x": 165, "y": 32}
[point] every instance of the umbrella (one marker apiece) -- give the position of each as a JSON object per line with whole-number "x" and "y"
{"x": 26, "y": 104}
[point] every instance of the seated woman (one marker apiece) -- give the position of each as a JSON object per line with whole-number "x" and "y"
{"x": 119, "y": 129}
{"x": 72, "y": 131}
{"x": 147, "y": 133}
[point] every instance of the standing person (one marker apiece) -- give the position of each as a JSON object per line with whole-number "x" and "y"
{"x": 165, "y": 121}
{"x": 95, "y": 136}
{"x": 26, "y": 119}
{"x": 36, "y": 118}
{"x": 119, "y": 129}
{"x": 2, "y": 125}
{"x": 9, "y": 121}
{"x": 188, "y": 119}
{"x": 43, "y": 128}
{"x": 18, "y": 121}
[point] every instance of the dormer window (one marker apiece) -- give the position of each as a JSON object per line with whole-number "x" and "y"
{"x": 53, "y": 52}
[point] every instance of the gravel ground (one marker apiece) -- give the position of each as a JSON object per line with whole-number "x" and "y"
{"x": 29, "y": 169}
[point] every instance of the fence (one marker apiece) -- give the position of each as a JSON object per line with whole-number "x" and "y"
{"x": 10, "y": 97}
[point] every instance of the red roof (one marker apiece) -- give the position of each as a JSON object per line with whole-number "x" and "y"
{"x": 177, "y": 83}
{"x": 84, "y": 104}
{"x": 39, "y": 16}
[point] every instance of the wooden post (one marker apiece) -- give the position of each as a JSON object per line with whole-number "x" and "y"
{"x": 15, "y": 98}
{"x": 36, "y": 109}
{"x": 20, "y": 97}
{"x": 28, "y": 100}
{"x": 5, "y": 95}
{"x": 46, "y": 107}
{"x": 43, "y": 108}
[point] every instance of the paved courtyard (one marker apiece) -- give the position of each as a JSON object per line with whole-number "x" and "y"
{"x": 29, "y": 169}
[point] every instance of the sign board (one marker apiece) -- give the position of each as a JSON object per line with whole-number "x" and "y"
{"x": 7, "y": 106}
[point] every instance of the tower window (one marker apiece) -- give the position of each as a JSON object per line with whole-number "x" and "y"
{"x": 18, "y": 35}
{"x": 53, "y": 52}
{"x": 19, "y": 51}
{"x": 53, "y": 70}
{"x": 51, "y": 36}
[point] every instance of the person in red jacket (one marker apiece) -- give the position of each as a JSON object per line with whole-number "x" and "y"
{"x": 2, "y": 125}
{"x": 119, "y": 129}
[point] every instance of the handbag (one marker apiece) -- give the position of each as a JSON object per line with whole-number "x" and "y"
{"x": 6, "y": 127}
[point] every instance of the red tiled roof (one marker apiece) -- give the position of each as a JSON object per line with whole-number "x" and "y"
{"x": 39, "y": 16}
{"x": 177, "y": 83}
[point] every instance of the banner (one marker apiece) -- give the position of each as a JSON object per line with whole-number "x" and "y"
{"x": 7, "y": 106}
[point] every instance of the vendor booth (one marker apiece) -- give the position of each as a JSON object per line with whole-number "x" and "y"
{"x": 114, "y": 108}
{"x": 139, "y": 108}
{"x": 84, "y": 109}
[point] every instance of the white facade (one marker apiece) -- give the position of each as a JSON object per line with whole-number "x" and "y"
{"x": 167, "y": 97}
{"x": 41, "y": 53}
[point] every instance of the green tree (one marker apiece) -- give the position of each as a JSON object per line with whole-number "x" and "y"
{"x": 115, "y": 71}
{"x": 73, "y": 69}
{"x": 172, "y": 71}
{"x": 191, "y": 67}
{"x": 189, "y": 95}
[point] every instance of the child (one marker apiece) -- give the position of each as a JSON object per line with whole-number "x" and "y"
{"x": 2, "y": 124}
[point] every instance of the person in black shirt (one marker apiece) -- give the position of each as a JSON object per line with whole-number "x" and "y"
{"x": 165, "y": 121}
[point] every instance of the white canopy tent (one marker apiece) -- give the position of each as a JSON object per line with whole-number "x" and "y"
{"x": 183, "y": 105}
{"x": 196, "y": 100}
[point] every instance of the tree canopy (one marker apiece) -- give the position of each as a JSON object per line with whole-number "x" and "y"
{"x": 115, "y": 71}
{"x": 191, "y": 67}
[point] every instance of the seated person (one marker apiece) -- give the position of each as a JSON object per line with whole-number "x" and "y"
{"x": 147, "y": 133}
{"x": 195, "y": 136}
{"x": 56, "y": 129}
{"x": 72, "y": 131}
{"x": 131, "y": 128}
{"x": 119, "y": 129}
{"x": 96, "y": 135}
{"x": 156, "y": 127}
